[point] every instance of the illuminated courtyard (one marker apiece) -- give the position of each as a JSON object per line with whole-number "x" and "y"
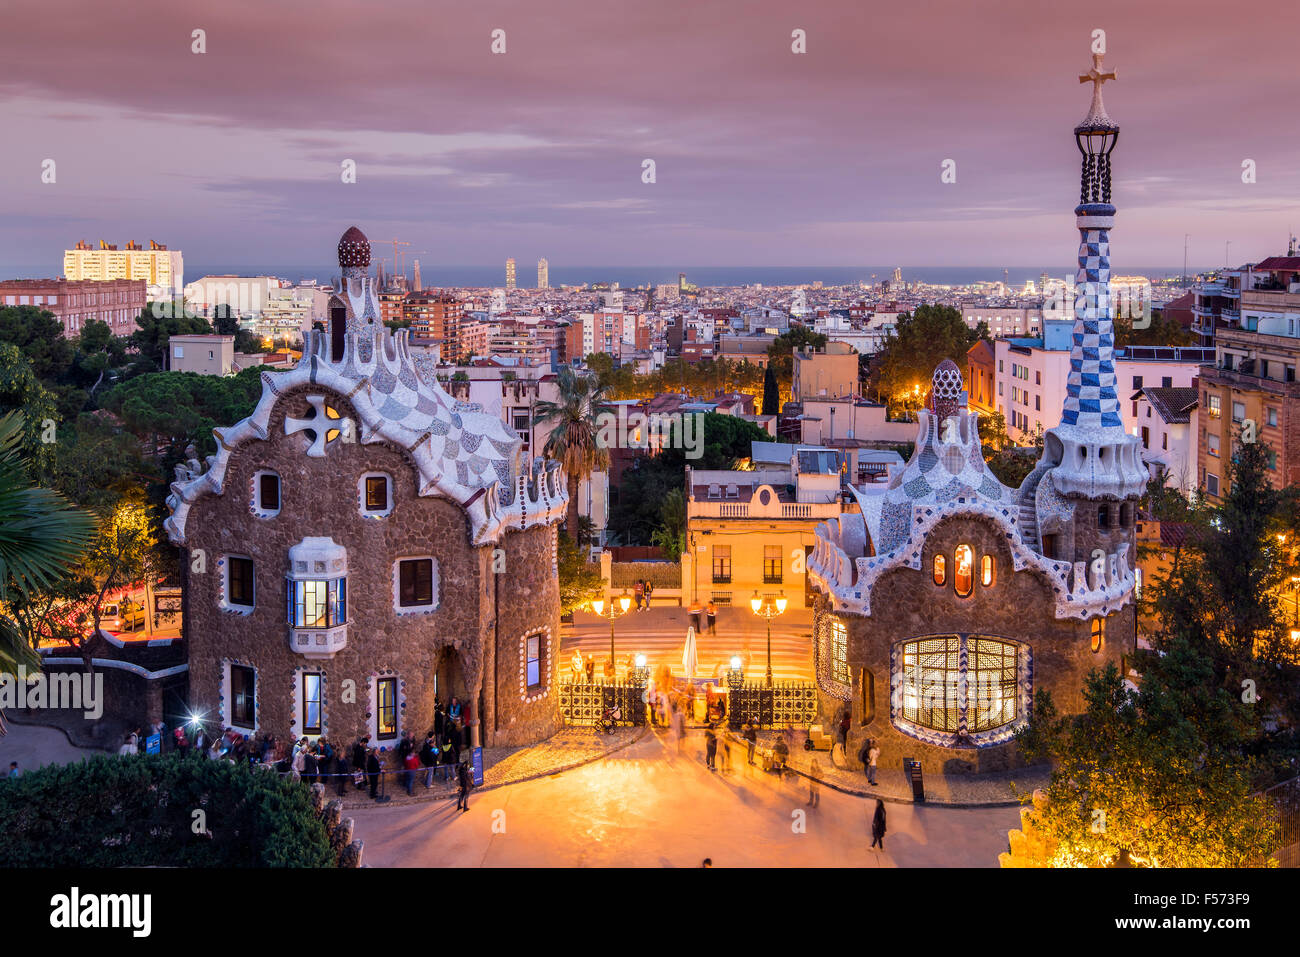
{"x": 646, "y": 806}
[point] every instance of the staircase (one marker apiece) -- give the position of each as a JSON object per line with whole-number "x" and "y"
{"x": 1029, "y": 507}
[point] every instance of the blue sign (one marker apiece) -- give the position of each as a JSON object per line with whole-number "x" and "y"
{"x": 477, "y": 764}
{"x": 153, "y": 744}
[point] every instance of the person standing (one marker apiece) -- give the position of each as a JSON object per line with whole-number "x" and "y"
{"x": 710, "y": 747}
{"x": 466, "y": 781}
{"x": 359, "y": 755}
{"x": 842, "y": 731}
{"x": 814, "y": 783}
{"x": 711, "y": 612}
{"x": 576, "y": 664}
{"x": 864, "y": 755}
{"x": 751, "y": 739}
{"x": 429, "y": 759}
{"x": 453, "y": 712}
{"x": 872, "y": 756}
{"x": 13, "y": 770}
{"x": 410, "y": 765}
{"x": 726, "y": 749}
{"x": 640, "y": 593}
{"x": 649, "y": 591}
{"x": 878, "y": 825}
{"x": 372, "y": 772}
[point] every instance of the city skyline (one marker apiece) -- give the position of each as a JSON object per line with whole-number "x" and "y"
{"x": 833, "y": 155}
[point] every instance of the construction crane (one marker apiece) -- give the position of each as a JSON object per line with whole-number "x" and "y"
{"x": 396, "y": 252}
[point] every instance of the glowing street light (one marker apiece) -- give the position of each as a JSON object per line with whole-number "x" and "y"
{"x": 768, "y": 607}
{"x": 617, "y": 608}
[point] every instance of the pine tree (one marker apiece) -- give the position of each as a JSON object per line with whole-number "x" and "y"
{"x": 771, "y": 394}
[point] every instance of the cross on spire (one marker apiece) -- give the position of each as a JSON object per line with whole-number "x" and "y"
{"x": 1097, "y": 76}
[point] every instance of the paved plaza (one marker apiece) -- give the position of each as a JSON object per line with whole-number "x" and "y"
{"x": 648, "y": 806}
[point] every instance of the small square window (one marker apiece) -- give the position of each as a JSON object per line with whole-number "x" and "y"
{"x": 239, "y": 581}
{"x": 268, "y": 492}
{"x": 376, "y": 493}
{"x": 415, "y": 582}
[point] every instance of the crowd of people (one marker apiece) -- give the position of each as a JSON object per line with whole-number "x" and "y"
{"x": 319, "y": 761}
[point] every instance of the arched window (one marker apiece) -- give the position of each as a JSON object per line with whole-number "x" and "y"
{"x": 963, "y": 578}
{"x": 940, "y": 569}
{"x": 1098, "y": 634}
{"x": 986, "y": 570}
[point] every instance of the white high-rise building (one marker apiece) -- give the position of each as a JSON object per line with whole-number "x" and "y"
{"x": 161, "y": 268}
{"x": 543, "y": 274}
{"x": 510, "y": 274}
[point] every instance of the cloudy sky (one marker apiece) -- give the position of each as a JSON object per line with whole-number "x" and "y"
{"x": 763, "y": 157}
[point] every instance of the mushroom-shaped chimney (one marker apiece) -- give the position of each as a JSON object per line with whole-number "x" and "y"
{"x": 354, "y": 249}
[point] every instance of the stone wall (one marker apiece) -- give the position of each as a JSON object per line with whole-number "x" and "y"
{"x": 1018, "y": 606}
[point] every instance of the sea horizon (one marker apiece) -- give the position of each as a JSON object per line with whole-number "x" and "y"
{"x": 493, "y": 276}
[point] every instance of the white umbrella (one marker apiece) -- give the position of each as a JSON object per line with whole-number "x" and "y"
{"x": 690, "y": 655}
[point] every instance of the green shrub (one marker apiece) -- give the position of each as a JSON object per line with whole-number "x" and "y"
{"x": 113, "y": 811}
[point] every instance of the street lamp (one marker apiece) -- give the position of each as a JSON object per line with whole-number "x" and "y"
{"x": 736, "y": 673}
{"x": 617, "y": 608}
{"x": 767, "y": 607}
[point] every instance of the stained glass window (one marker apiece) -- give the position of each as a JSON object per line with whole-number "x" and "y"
{"x": 990, "y": 683}
{"x": 930, "y": 670}
{"x": 839, "y": 652}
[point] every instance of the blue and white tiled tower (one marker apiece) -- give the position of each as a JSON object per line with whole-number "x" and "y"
{"x": 1092, "y": 454}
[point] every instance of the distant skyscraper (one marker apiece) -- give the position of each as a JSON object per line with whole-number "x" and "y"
{"x": 510, "y": 274}
{"x": 161, "y": 269}
{"x": 418, "y": 285}
{"x": 543, "y": 274}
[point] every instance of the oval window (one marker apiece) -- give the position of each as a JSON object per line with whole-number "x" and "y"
{"x": 986, "y": 570}
{"x": 940, "y": 569}
{"x": 964, "y": 573}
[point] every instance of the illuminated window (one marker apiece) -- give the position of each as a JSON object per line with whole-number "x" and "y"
{"x": 986, "y": 570}
{"x": 318, "y": 603}
{"x": 1098, "y": 634}
{"x": 964, "y": 570}
{"x": 533, "y": 663}
{"x": 771, "y": 564}
{"x": 386, "y": 707}
{"x": 839, "y": 652}
{"x": 933, "y": 696}
{"x": 311, "y": 703}
{"x": 990, "y": 684}
{"x": 940, "y": 569}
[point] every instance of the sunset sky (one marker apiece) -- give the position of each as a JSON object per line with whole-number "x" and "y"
{"x": 763, "y": 156}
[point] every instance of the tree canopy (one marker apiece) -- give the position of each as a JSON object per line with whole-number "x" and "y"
{"x": 922, "y": 340}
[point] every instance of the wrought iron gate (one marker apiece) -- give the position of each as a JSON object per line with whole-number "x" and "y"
{"x": 784, "y": 704}
{"x": 583, "y": 703}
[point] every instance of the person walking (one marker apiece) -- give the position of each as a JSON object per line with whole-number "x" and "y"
{"x": 640, "y": 593}
{"x": 649, "y": 591}
{"x": 372, "y": 772}
{"x": 751, "y": 739}
{"x": 878, "y": 825}
{"x": 873, "y": 755}
{"x": 710, "y": 747}
{"x": 466, "y": 781}
{"x": 711, "y": 612}
{"x": 864, "y": 755}
{"x": 726, "y": 749}
{"x": 814, "y": 783}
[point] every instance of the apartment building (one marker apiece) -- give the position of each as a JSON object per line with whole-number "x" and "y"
{"x": 76, "y": 302}
{"x": 161, "y": 269}
{"x": 1032, "y": 376}
{"x": 831, "y": 372}
{"x": 1251, "y": 387}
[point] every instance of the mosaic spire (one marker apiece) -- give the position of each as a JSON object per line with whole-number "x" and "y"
{"x": 1090, "y": 399}
{"x": 1090, "y": 452}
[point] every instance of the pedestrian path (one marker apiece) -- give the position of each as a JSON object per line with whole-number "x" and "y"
{"x": 567, "y": 749}
{"x": 1000, "y": 789}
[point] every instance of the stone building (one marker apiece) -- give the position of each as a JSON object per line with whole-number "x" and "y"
{"x": 951, "y": 599}
{"x": 362, "y": 543}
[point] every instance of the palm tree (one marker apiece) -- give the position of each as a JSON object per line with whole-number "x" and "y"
{"x": 575, "y": 440}
{"x": 42, "y": 538}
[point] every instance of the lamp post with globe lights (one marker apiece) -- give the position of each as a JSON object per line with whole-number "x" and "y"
{"x": 768, "y": 607}
{"x": 617, "y": 608}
